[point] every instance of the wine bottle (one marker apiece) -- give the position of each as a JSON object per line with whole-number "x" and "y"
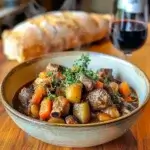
{"x": 130, "y": 9}
{"x": 131, "y": 6}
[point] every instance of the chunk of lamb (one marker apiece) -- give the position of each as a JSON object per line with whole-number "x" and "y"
{"x": 99, "y": 99}
{"x": 127, "y": 107}
{"x": 114, "y": 86}
{"x": 43, "y": 82}
{"x": 61, "y": 107}
{"x": 125, "y": 111}
{"x": 52, "y": 67}
{"x": 121, "y": 104}
{"x": 87, "y": 82}
{"x": 105, "y": 73}
{"x": 114, "y": 97}
{"x": 25, "y": 96}
{"x": 71, "y": 120}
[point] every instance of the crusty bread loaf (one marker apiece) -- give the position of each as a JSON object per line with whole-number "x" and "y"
{"x": 55, "y": 31}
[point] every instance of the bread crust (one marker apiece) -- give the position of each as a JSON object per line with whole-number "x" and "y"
{"x": 52, "y": 32}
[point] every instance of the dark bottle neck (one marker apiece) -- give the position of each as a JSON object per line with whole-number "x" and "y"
{"x": 10, "y": 3}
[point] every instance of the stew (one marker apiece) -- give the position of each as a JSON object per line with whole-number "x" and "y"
{"x": 76, "y": 95}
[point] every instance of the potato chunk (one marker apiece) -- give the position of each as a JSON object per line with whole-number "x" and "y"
{"x": 34, "y": 110}
{"x": 103, "y": 117}
{"x": 82, "y": 112}
{"x": 74, "y": 92}
{"x": 112, "y": 111}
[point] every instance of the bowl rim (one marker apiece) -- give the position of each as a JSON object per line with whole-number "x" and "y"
{"x": 58, "y": 54}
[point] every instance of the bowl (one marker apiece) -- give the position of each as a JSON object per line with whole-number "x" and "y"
{"x": 85, "y": 135}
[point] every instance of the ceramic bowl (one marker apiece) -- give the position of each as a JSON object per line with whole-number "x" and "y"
{"x": 74, "y": 135}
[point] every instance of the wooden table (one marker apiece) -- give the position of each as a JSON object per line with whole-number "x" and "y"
{"x": 138, "y": 138}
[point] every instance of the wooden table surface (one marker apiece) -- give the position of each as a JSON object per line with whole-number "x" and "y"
{"x": 138, "y": 138}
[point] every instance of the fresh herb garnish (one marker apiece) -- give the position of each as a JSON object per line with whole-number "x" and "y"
{"x": 79, "y": 67}
{"x": 51, "y": 96}
{"x": 70, "y": 77}
{"x": 106, "y": 80}
{"x": 49, "y": 73}
{"x": 82, "y": 67}
{"x": 117, "y": 94}
{"x": 115, "y": 97}
{"x": 82, "y": 63}
{"x": 91, "y": 74}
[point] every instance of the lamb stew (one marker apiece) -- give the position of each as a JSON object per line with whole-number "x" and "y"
{"x": 76, "y": 95}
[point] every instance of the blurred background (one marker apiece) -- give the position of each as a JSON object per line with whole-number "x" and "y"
{"x": 13, "y": 12}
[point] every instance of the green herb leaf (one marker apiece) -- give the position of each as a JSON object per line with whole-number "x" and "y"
{"x": 49, "y": 73}
{"x": 51, "y": 96}
{"x": 80, "y": 66}
{"x": 106, "y": 81}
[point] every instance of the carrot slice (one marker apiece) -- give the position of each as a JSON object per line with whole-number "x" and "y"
{"x": 99, "y": 85}
{"x": 38, "y": 95}
{"x": 124, "y": 89}
{"x": 45, "y": 109}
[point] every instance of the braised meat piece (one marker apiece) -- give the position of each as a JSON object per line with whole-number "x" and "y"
{"x": 60, "y": 91}
{"x": 116, "y": 99}
{"x": 87, "y": 82}
{"x": 43, "y": 82}
{"x": 99, "y": 99}
{"x": 114, "y": 86}
{"x": 119, "y": 101}
{"x": 103, "y": 73}
{"x": 52, "y": 67}
{"x": 25, "y": 96}
{"x": 71, "y": 120}
{"x": 127, "y": 108}
{"x": 125, "y": 111}
{"x": 61, "y": 107}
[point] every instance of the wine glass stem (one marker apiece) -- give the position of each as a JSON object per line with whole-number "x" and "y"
{"x": 126, "y": 55}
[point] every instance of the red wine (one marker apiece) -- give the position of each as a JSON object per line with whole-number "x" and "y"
{"x": 128, "y": 35}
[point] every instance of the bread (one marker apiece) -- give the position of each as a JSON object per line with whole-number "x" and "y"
{"x": 55, "y": 31}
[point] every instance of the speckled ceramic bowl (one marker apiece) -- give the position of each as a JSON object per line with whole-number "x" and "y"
{"x": 74, "y": 135}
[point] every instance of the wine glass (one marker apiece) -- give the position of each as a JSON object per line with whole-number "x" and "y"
{"x": 129, "y": 25}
